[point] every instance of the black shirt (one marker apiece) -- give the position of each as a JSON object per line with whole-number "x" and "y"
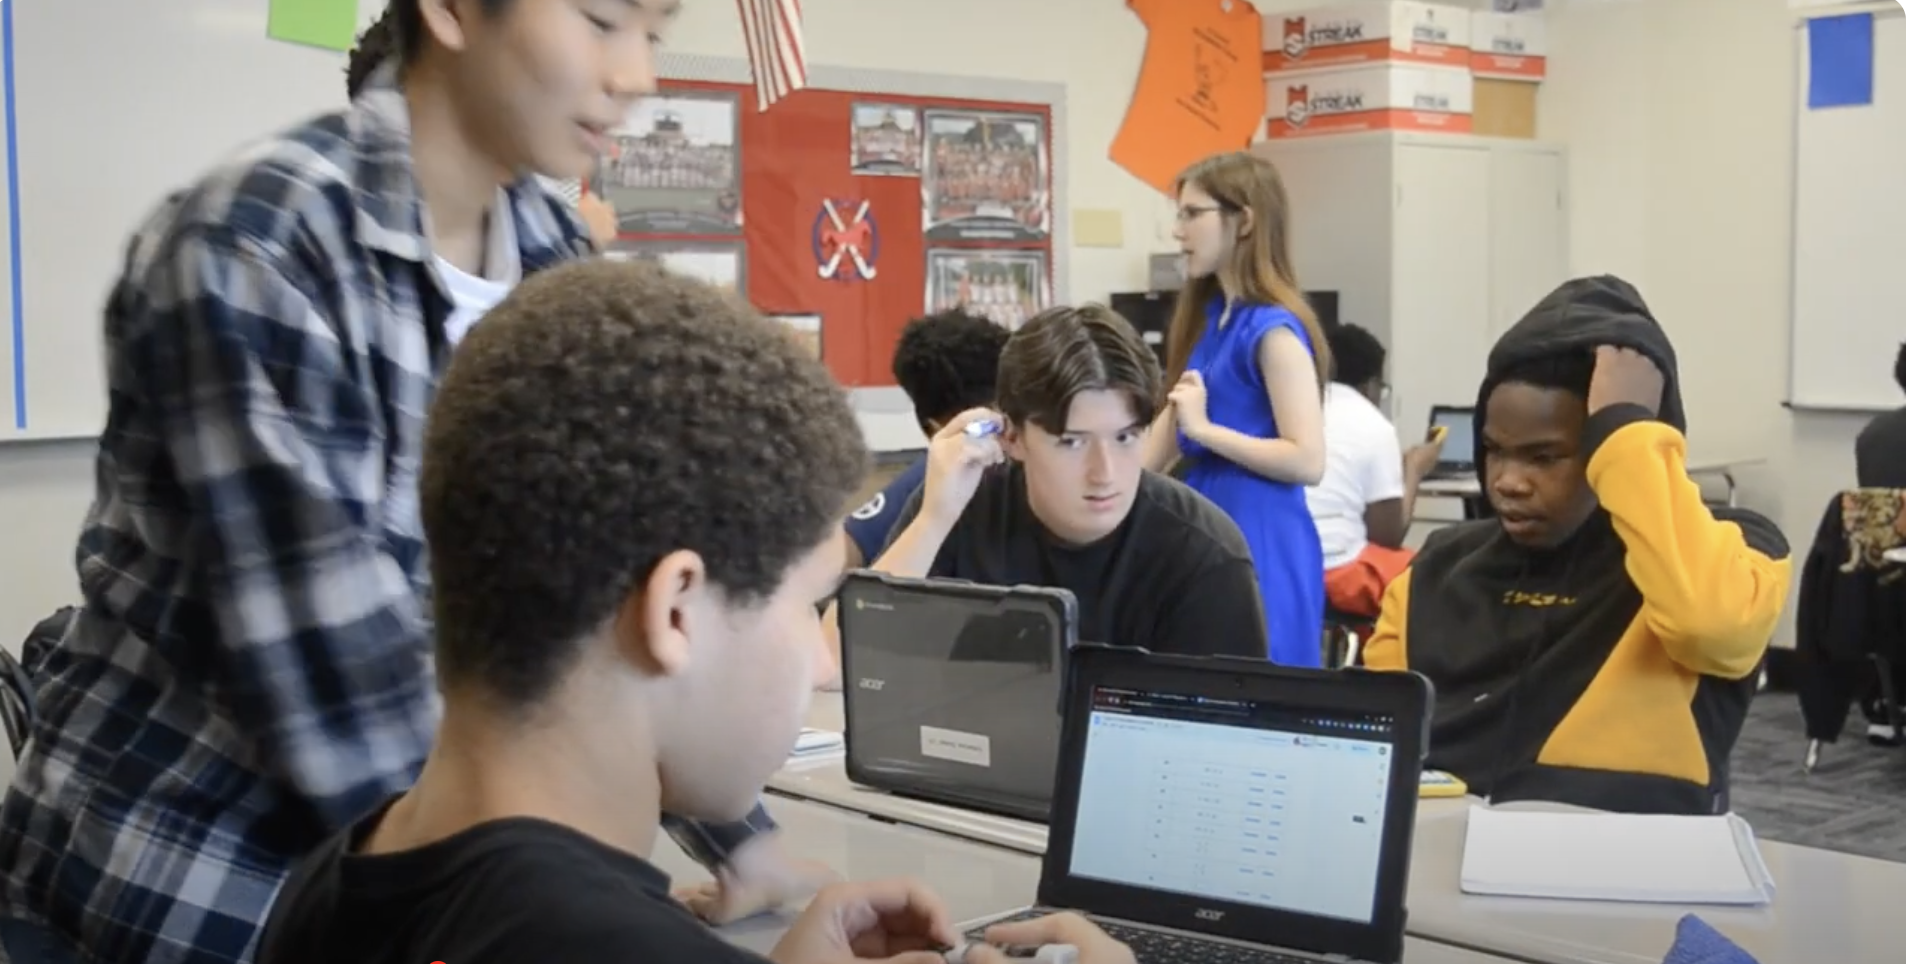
{"x": 505, "y": 892}
{"x": 1175, "y": 577}
{"x": 1880, "y": 452}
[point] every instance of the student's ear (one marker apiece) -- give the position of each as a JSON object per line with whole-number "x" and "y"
{"x": 1245, "y": 223}
{"x": 1013, "y": 441}
{"x": 656, "y": 624}
{"x": 445, "y": 20}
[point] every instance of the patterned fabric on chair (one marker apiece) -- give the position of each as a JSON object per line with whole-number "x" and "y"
{"x": 1872, "y": 524}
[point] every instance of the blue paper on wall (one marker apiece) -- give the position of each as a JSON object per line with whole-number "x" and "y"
{"x": 1842, "y": 61}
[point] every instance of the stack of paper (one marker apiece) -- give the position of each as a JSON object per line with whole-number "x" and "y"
{"x": 813, "y": 744}
{"x": 1613, "y": 856}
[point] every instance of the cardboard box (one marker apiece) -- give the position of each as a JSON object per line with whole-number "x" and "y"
{"x": 1372, "y": 97}
{"x": 1504, "y": 108}
{"x": 1367, "y": 31}
{"x": 1508, "y": 46}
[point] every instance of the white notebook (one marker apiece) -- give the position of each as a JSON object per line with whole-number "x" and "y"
{"x": 815, "y": 743}
{"x": 1644, "y": 858}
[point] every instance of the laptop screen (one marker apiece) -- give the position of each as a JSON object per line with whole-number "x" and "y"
{"x": 1459, "y": 443}
{"x": 1236, "y": 801}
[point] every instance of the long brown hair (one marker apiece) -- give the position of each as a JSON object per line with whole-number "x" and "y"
{"x": 1262, "y": 262}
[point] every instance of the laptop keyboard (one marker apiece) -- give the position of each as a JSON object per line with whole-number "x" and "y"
{"x": 1156, "y": 947}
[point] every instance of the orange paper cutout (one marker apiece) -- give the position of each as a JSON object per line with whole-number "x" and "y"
{"x": 1201, "y": 89}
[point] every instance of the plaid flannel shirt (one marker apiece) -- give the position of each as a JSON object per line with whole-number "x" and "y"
{"x": 250, "y": 672}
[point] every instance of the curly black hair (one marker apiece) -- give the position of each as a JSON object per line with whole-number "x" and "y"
{"x": 947, "y": 363}
{"x": 1062, "y": 352}
{"x": 1357, "y": 355}
{"x": 604, "y": 415}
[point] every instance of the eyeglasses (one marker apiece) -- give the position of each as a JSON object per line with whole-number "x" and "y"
{"x": 1192, "y": 212}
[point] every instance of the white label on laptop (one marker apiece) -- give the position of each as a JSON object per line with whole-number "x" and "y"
{"x": 972, "y": 749}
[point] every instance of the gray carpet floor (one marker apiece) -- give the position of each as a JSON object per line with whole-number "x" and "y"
{"x": 1852, "y": 803}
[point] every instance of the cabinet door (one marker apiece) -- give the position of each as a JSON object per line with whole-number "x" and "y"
{"x": 1441, "y": 296}
{"x": 1340, "y": 222}
{"x": 1529, "y": 235}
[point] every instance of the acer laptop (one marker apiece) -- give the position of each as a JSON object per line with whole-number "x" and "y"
{"x": 1224, "y": 809}
{"x": 951, "y": 691}
{"x": 1457, "y": 457}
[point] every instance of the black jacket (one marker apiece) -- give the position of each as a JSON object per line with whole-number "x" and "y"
{"x": 1842, "y": 616}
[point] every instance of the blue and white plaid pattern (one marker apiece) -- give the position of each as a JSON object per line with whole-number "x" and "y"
{"x": 250, "y": 672}
{"x": 569, "y": 189}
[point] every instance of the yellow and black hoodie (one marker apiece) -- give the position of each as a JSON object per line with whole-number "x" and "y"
{"x": 1611, "y": 671}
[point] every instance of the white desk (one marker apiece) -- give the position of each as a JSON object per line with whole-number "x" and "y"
{"x": 826, "y": 782}
{"x": 1828, "y": 907}
{"x": 976, "y": 881}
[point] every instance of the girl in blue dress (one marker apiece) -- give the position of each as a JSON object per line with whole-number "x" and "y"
{"x": 1246, "y": 362}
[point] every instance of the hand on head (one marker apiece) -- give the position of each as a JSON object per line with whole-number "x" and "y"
{"x": 896, "y": 921}
{"x": 1625, "y": 376}
{"x": 956, "y": 462}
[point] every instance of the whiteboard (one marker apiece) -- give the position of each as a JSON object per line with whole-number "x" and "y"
{"x": 110, "y": 105}
{"x": 1850, "y": 283}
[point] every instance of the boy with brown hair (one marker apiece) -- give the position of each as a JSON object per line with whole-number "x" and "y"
{"x": 1051, "y": 490}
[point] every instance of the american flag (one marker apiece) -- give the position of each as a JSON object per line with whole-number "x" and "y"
{"x": 773, "y": 29}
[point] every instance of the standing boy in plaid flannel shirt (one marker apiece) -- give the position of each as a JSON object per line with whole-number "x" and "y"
{"x": 250, "y": 671}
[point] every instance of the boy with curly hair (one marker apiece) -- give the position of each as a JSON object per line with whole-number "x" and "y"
{"x": 670, "y": 472}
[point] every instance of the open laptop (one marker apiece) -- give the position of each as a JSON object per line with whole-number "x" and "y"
{"x": 1457, "y": 457}
{"x": 1222, "y": 809}
{"x": 952, "y": 690}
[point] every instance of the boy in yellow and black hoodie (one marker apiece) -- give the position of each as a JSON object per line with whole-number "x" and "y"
{"x": 1591, "y": 644}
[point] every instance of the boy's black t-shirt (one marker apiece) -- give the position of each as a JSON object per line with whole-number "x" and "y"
{"x": 506, "y": 892}
{"x": 1176, "y": 576}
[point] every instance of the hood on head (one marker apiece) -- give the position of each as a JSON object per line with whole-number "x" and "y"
{"x": 1581, "y": 315}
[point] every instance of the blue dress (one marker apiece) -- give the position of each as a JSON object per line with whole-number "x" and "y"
{"x": 1273, "y": 516}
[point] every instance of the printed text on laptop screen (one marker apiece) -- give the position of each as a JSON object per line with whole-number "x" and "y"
{"x": 1224, "y": 799}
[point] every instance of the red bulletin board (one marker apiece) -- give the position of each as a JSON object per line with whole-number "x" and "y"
{"x": 797, "y": 155}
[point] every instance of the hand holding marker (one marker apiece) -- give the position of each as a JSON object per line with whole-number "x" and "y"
{"x": 1044, "y": 954}
{"x": 982, "y": 428}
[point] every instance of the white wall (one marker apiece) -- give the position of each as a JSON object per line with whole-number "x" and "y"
{"x": 1677, "y": 115}
{"x": 44, "y": 490}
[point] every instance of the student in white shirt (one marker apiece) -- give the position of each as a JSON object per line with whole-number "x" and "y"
{"x": 1362, "y": 505}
